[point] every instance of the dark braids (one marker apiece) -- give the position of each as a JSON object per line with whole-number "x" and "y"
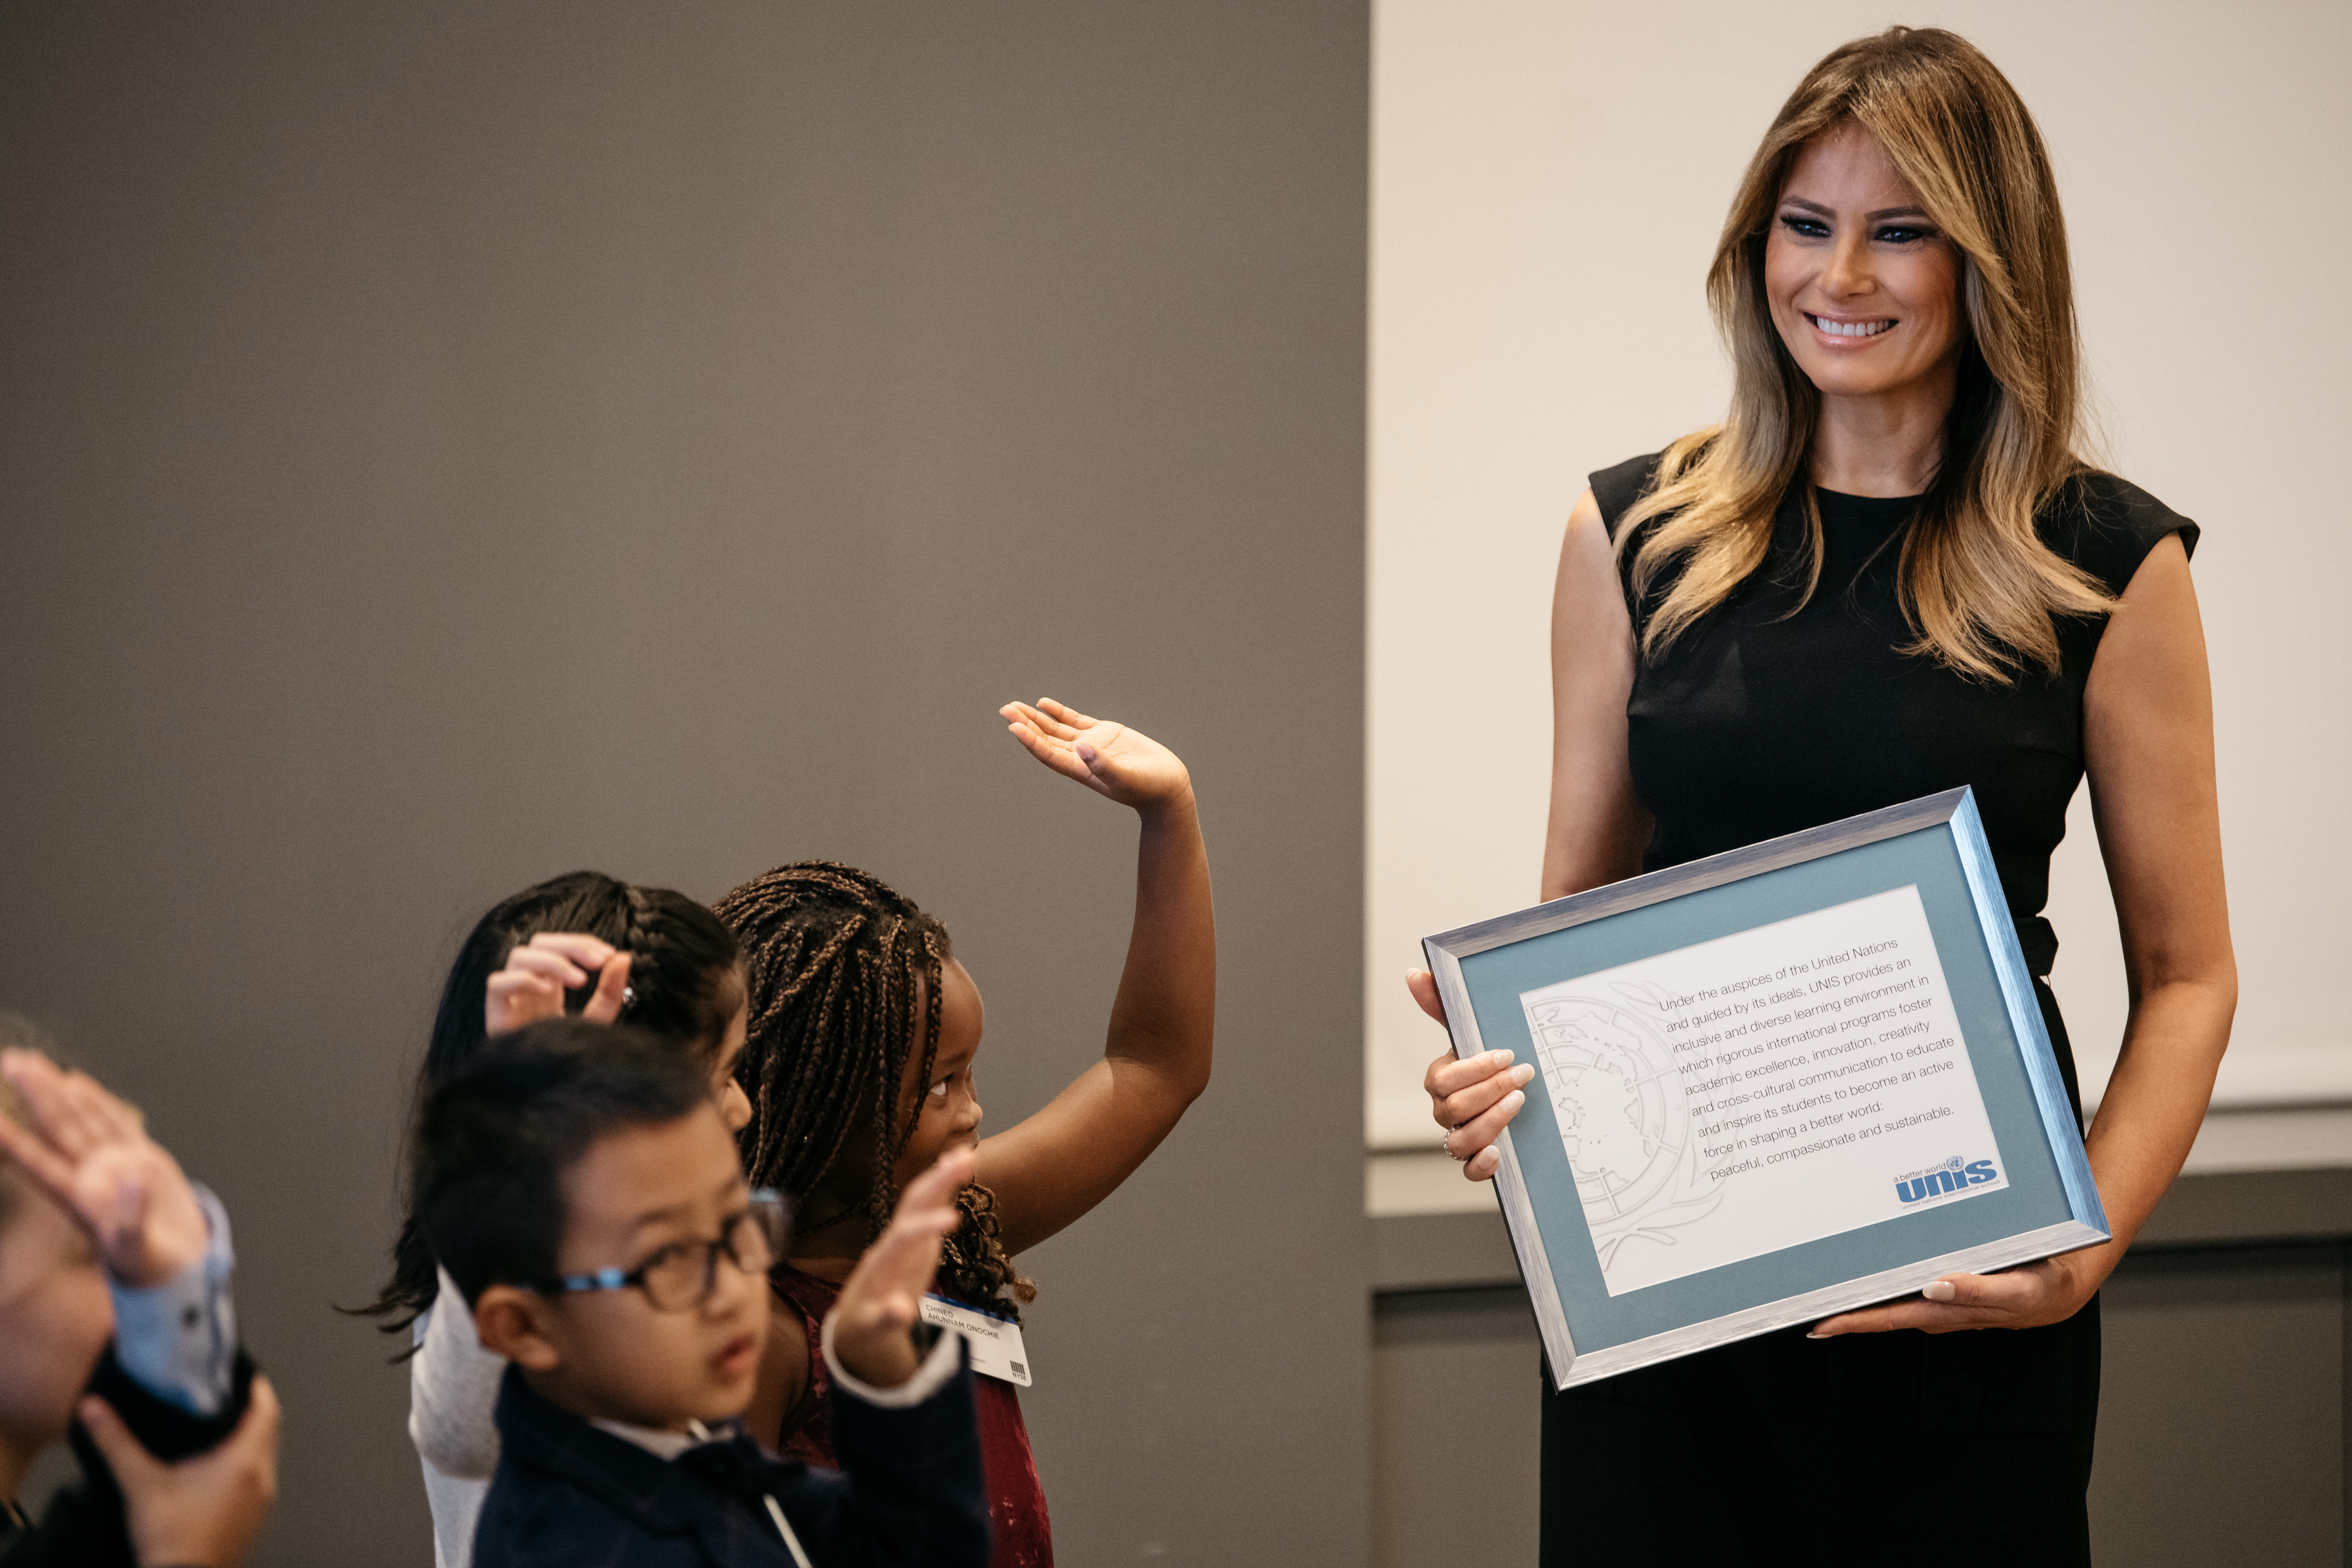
{"x": 836, "y": 961}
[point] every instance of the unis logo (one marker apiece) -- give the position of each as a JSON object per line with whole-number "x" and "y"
{"x": 1953, "y": 1175}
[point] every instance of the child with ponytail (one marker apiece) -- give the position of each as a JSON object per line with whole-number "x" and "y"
{"x": 605, "y": 950}
{"x": 858, "y": 1061}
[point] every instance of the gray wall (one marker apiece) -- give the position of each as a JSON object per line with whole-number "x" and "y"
{"x": 441, "y": 446}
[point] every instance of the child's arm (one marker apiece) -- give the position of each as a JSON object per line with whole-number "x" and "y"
{"x": 164, "y": 1241}
{"x": 183, "y": 1428}
{"x": 453, "y": 1390}
{"x": 1050, "y": 1169}
{"x": 911, "y": 1488}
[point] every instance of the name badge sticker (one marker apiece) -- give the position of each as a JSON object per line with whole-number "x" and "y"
{"x": 993, "y": 1343}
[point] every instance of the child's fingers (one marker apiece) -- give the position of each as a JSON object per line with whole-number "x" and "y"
{"x": 948, "y": 1175}
{"x": 82, "y": 1109}
{"x": 903, "y": 1258}
{"x": 516, "y": 998}
{"x": 547, "y": 963}
{"x": 1045, "y": 722}
{"x": 82, "y": 1122}
{"x": 38, "y": 1080}
{"x": 116, "y": 1118}
{"x": 127, "y": 1213}
{"x": 1066, "y": 714}
{"x": 587, "y": 952}
{"x": 1034, "y": 741}
{"x": 29, "y": 1149}
{"x": 133, "y": 1465}
{"x": 907, "y": 1252}
{"x": 1055, "y": 754}
{"x": 518, "y": 985}
{"x": 611, "y": 985}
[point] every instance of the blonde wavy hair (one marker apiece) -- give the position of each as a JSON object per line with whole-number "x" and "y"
{"x": 1978, "y": 589}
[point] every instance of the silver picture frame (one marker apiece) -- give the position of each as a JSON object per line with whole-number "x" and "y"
{"x": 1938, "y": 842}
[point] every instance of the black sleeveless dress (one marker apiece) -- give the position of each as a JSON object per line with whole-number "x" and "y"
{"x": 1967, "y": 1448}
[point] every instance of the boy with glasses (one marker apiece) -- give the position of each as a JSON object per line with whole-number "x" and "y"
{"x": 580, "y": 1188}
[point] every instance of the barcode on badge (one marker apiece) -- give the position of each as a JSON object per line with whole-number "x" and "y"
{"x": 1018, "y": 1370}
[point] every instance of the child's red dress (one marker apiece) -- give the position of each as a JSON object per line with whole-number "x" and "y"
{"x": 1016, "y": 1502}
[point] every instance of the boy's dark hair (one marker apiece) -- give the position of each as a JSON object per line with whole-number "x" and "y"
{"x": 682, "y": 971}
{"x": 494, "y": 1140}
{"x": 844, "y": 973}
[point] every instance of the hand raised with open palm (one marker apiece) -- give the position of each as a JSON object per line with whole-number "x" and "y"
{"x": 91, "y": 1153}
{"x": 1105, "y": 755}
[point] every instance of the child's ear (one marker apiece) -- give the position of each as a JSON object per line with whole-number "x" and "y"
{"x": 511, "y": 1322}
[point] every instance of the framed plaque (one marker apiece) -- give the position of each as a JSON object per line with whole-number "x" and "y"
{"x": 1771, "y": 1086}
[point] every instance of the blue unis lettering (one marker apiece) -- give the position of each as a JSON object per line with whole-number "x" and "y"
{"x": 1935, "y": 1184}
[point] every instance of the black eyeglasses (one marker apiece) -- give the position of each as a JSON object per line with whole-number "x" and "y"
{"x": 681, "y": 1276}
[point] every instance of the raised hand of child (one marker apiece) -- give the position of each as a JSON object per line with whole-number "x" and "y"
{"x": 538, "y": 972}
{"x": 885, "y": 1293}
{"x": 1128, "y": 766}
{"x": 202, "y": 1511}
{"x": 92, "y": 1154}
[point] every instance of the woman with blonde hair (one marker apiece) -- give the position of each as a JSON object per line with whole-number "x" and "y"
{"x": 1888, "y": 572}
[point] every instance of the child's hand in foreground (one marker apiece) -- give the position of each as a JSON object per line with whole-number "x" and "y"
{"x": 885, "y": 1294}
{"x": 91, "y": 1153}
{"x": 1126, "y": 765}
{"x": 538, "y": 972}
{"x": 203, "y": 1511}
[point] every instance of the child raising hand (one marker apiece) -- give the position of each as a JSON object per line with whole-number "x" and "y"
{"x": 114, "y": 1311}
{"x": 859, "y": 1062}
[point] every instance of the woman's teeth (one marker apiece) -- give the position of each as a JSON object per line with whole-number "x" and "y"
{"x": 1851, "y": 329}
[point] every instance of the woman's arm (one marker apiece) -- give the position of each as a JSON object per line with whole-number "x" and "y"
{"x": 2147, "y": 722}
{"x": 1050, "y": 1169}
{"x": 1598, "y": 825}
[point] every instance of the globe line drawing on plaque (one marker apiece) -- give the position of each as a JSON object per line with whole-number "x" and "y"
{"x": 1623, "y": 1118}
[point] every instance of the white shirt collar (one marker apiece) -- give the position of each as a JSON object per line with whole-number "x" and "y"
{"x": 661, "y": 1445}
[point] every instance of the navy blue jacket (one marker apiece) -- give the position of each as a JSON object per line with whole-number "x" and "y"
{"x": 568, "y": 1495}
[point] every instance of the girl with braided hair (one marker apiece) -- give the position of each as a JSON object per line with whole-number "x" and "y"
{"x": 858, "y": 1063}
{"x": 585, "y": 943}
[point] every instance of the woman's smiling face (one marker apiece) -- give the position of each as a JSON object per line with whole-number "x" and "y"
{"x": 1863, "y": 288}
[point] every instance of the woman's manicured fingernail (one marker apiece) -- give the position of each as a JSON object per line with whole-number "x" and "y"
{"x": 1514, "y": 1099}
{"x": 1817, "y": 1335}
{"x": 1939, "y": 1290}
{"x": 1524, "y": 1072}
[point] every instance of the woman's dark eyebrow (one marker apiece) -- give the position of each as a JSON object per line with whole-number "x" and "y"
{"x": 1881, "y": 216}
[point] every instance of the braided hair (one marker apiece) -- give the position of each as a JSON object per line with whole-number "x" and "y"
{"x": 845, "y": 975}
{"x": 684, "y": 989}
